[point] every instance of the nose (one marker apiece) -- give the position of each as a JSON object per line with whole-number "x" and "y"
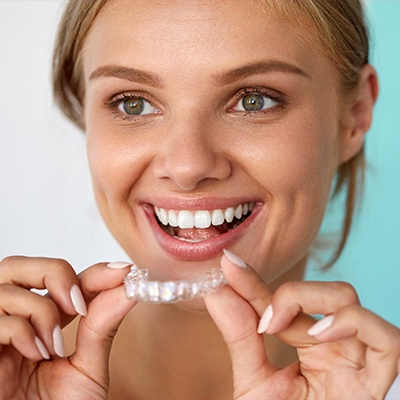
{"x": 191, "y": 155}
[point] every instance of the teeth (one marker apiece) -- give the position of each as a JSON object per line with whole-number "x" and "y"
{"x": 172, "y": 218}
{"x": 186, "y": 219}
{"x": 202, "y": 219}
{"x": 238, "y": 212}
{"x": 229, "y": 214}
{"x": 217, "y": 217}
{"x": 163, "y": 216}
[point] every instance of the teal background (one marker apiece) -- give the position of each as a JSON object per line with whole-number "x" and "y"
{"x": 371, "y": 260}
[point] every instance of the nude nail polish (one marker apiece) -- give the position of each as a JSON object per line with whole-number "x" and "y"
{"x": 42, "y": 348}
{"x": 78, "y": 301}
{"x": 234, "y": 259}
{"x": 118, "y": 265}
{"x": 321, "y": 326}
{"x": 265, "y": 319}
{"x": 58, "y": 342}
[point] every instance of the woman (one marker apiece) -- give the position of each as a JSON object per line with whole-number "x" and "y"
{"x": 212, "y": 128}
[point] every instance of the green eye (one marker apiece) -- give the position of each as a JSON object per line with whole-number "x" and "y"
{"x": 253, "y": 102}
{"x": 133, "y": 106}
{"x": 137, "y": 106}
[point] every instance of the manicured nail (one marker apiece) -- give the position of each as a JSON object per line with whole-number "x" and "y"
{"x": 78, "y": 301}
{"x": 321, "y": 326}
{"x": 41, "y": 348}
{"x": 234, "y": 259}
{"x": 119, "y": 265}
{"x": 58, "y": 342}
{"x": 265, "y": 319}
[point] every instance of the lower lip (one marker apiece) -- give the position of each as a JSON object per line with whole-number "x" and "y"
{"x": 198, "y": 251}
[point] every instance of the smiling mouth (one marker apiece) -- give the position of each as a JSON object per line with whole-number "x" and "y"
{"x": 200, "y": 225}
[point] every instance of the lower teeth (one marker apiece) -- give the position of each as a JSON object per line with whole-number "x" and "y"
{"x": 183, "y": 239}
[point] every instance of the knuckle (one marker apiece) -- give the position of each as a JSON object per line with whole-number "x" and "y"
{"x": 9, "y": 261}
{"x": 347, "y": 292}
{"x": 60, "y": 266}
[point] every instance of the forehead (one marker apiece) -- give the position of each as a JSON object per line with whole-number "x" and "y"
{"x": 195, "y": 35}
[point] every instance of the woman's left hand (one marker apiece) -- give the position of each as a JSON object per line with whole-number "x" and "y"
{"x": 350, "y": 354}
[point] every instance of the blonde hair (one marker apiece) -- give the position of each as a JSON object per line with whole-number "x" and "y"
{"x": 338, "y": 26}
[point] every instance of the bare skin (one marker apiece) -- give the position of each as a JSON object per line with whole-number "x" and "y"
{"x": 194, "y": 147}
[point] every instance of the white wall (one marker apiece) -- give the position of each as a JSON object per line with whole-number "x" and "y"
{"x": 46, "y": 203}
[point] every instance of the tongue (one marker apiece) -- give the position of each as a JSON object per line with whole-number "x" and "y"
{"x": 201, "y": 233}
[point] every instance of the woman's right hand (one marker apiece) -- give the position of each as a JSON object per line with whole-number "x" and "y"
{"x": 31, "y": 345}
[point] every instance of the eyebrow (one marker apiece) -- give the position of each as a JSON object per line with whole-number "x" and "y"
{"x": 129, "y": 74}
{"x": 261, "y": 67}
{"x": 140, "y": 76}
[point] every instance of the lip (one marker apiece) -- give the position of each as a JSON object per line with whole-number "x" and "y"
{"x": 205, "y": 249}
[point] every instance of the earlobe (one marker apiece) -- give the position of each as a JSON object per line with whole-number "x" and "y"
{"x": 359, "y": 114}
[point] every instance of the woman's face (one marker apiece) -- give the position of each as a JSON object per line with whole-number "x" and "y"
{"x": 201, "y": 110}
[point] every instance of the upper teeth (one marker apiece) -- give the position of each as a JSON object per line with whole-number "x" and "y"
{"x": 186, "y": 219}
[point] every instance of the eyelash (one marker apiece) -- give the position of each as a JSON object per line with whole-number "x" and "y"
{"x": 115, "y": 102}
{"x": 275, "y": 96}
{"x": 118, "y": 99}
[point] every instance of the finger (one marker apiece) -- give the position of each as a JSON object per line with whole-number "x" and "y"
{"x": 102, "y": 276}
{"x": 17, "y": 332}
{"x": 102, "y": 289}
{"x": 237, "y": 322}
{"x": 55, "y": 275}
{"x": 41, "y": 313}
{"x": 96, "y": 332}
{"x": 248, "y": 284}
{"x": 381, "y": 338}
{"x": 293, "y": 298}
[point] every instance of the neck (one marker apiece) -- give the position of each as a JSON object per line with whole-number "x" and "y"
{"x": 171, "y": 351}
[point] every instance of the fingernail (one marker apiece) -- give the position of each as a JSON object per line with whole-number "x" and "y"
{"x": 321, "y": 326}
{"x": 58, "y": 342}
{"x": 118, "y": 265}
{"x": 78, "y": 301}
{"x": 234, "y": 259}
{"x": 265, "y": 319}
{"x": 41, "y": 348}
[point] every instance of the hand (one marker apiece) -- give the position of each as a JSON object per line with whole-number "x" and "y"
{"x": 31, "y": 345}
{"x": 350, "y": 354}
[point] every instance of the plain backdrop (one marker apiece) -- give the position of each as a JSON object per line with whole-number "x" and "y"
{"x": 46, "y": 202}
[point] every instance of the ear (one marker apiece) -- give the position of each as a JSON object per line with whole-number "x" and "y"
{"x": 358, "y": 115}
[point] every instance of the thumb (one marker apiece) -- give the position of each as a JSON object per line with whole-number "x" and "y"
{"x": 97, "y": 330}
{"x": 237, "y": 322}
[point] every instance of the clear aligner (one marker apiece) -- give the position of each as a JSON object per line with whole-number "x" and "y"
{"x": 138, "y": 286}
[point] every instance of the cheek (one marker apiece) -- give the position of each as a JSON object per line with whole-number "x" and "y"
{"x": 295, "y": 166}
{"x": 116, "y": 163}
{"x": 297, "y": 159}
